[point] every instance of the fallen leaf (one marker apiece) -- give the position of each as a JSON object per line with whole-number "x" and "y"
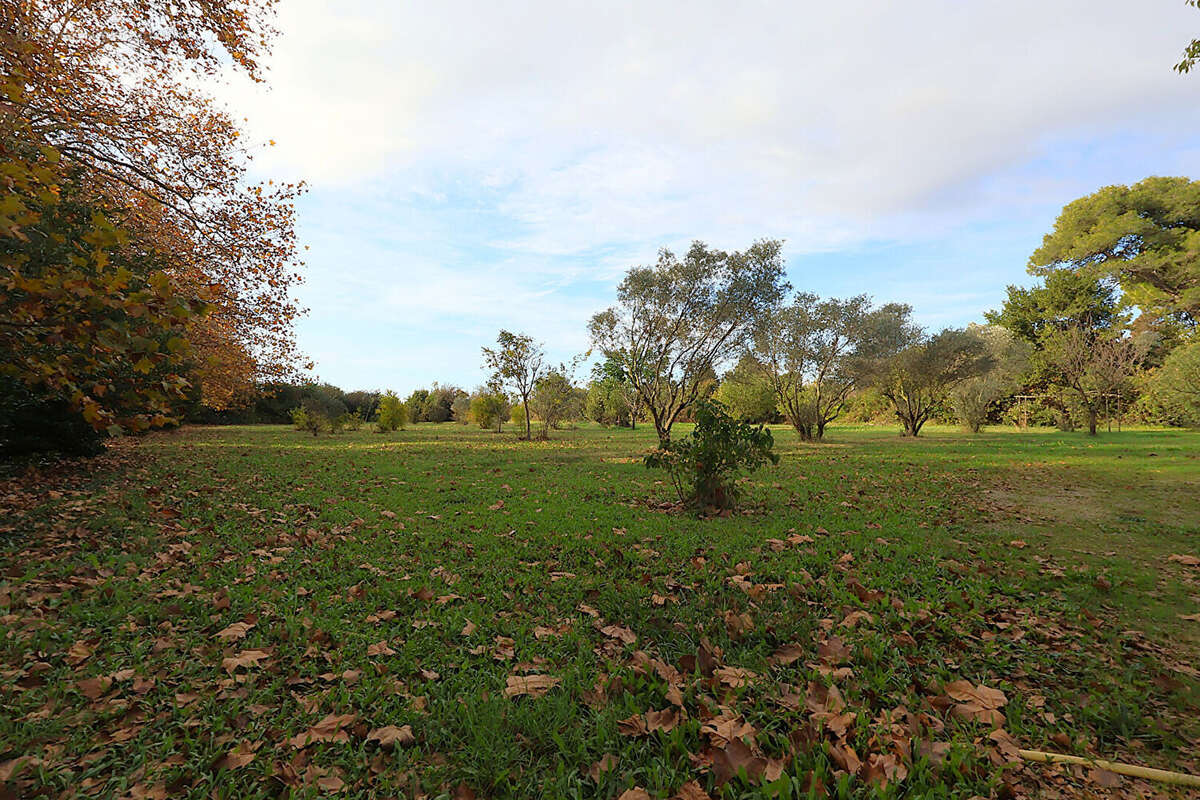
{"x": 239, "y": 756}
{"x": 390, "y": 735}
{"x": 246, "y": 658}
{"x": 532, "y": 685}
{"x": 329, "y": 729}
{"x": 605, "y": 764}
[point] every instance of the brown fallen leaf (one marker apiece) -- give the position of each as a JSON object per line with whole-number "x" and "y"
{"x": 619, "y": 632}
{"x": 239, "y": 756}
{"x": 605, "y": 764}
{"x": 94, "y": 688}
{"x": 664, "y": 720}
{"x": 787, "y": 654}
{"x": 632, "y": 726}
{"x": 734, "y": 677}
{"x": 532, "y": 685}
{"x": 380, "y": 648}
{"x": 833, "y": 651}
{"x": 978, "y": 703}
{"x": 1105, "y": 778}
{"x": 691, "y": 790}
{"x": 246, "y": 658}
{"x": 468, "y": 628}
{"x": 636, "y": 793}
{"x": 1186, "y": 560}
{"x": 78, "y": 653}
{"x": 390, "y": 736}
{"x": 329, "y": 729}
{"x": 237, "y": 630}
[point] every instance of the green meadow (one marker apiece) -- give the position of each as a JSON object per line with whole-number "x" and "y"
{"x": 238, "y": 612}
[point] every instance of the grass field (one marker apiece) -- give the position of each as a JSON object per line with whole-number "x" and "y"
{"x": 253, "y": 612}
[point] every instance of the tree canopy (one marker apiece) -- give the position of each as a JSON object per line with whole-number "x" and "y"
{"x": 676, "y": 321}
{"x": 126, "y": 189}
{"x": 1145, "y": 236}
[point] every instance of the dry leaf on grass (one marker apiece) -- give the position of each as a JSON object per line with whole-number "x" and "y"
{"x": 390, "y": 735}
{"x": 532, "y": 685}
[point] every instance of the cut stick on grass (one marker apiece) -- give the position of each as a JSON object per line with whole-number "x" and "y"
{"x": 1149, "y": 773}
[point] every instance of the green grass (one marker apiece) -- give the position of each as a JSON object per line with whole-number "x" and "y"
{"x": 139, "y": 559}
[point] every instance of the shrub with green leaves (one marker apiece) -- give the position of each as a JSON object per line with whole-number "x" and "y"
{"x": 307, "y": 417}
{"x": 393, "y": 414}
{"x": 705, "y": 464}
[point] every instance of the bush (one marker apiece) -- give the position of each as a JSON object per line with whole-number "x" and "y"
{"x": 309, "y": 418}
{"x": 462, "y": 409}
{"x": 489, "y": 409}
{"x": 393, "y": 414}
{"x": 554, "y": 401}
{"x": 704, "y": 465}
{"x": 33, "y": 422}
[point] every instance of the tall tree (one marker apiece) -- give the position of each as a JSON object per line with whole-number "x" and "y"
{"x": 111, "y": 93}
{"x": 1067, "y": 300}
{"x": 517, "y": 362}
{"x": 1145, "y": 236}
{"x": 676, "y": 321}
{"x": 812, "y": 351}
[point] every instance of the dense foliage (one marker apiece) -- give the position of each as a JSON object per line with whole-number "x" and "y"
{"x": 704, "y": 464}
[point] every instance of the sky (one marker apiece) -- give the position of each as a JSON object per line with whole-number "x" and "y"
{"x": 477, "y": 166}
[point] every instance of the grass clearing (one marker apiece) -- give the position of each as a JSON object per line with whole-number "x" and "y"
{"x": 249, "y": 611}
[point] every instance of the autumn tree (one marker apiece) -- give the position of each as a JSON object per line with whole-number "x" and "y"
{"x": 812, "y": 351}
{"x": 612, "y": 396}
{"x": 108, "y": 96}
{"x": 554, "y": 400}
{"x": 517, "y": 362}
{"x": 746, "y": 392}
{"x": 87, "y": 317}
{"x": 490, "y": 407}
{"x": 677, "y": 321}
{"x": 1177, "y": 383}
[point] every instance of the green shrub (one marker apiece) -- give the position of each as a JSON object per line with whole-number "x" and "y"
{"x": 393, "y": 414}
{"x": 489, "y": 409}
{"x": 705, "y": 464}
{"x": 307, "y": 417}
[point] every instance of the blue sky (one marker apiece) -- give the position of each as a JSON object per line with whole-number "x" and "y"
{"x": 476, "y": 167}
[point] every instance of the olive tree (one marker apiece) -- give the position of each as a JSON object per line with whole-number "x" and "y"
{"x": 973, "y": 397}
{"x": 676, "y": 321}
{"x": 517, "y": 362}
{"x": 918, "y": 379}
{"x": 813, "y": 352}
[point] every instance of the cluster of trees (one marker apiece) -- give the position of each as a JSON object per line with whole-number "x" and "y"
{"x": 1113, "y": 316}
{"x": 140, "y": 273}
{"x": 1113, "y": 320}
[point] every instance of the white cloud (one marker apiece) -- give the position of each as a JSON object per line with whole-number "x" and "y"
{"x": 610, "y": 129}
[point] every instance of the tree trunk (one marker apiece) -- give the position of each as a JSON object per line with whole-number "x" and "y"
{"x": 1091, "y": 422}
